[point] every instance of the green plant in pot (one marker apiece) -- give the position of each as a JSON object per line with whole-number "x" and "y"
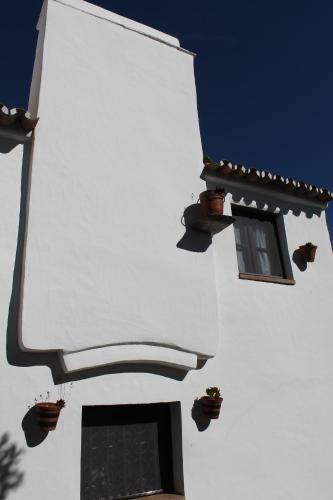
{"x": 211, "y": 403}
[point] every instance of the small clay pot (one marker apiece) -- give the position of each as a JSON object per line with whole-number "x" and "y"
{"x": 48, "y": 414}
{"x": 212, "y": 202}
{"x": 308, "y": 252}
{"x": 211, "y": 406}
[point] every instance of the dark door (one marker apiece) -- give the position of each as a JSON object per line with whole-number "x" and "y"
{"x": 126, "y": 451}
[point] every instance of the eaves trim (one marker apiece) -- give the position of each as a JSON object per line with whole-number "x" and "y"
{"x": 17, "y": 118}
{"x": 265, "y": 179}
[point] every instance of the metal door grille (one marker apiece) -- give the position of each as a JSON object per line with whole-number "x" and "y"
{"x": 126, "y": 451}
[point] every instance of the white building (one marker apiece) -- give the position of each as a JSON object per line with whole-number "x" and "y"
{"x": 105, "y": 284}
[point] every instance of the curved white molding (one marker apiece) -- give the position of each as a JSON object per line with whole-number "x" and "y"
{"x": 130, "y": 353}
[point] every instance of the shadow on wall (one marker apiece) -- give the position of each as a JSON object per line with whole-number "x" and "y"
{"x": 201, "y": 420}
{"x": 15, "y": 355}
{"x": 198, "y": 241}
{"x": 193, "y": 241}
{"x": 11, "y": 477}
{"x": 34, "y": 435}
{"x": 269, "y": 202}
{"x": 159, "y": 370}
{"x": 299, "y": 261}
{"x": 6, "y": 145}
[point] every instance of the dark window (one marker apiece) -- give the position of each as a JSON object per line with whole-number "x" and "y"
{"x": 257, "y": 243}
{"x": 127, "y": 451}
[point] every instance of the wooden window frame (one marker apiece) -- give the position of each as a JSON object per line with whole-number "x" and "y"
{"x": 265, "y": 216}
{"x": 267, "y": 279}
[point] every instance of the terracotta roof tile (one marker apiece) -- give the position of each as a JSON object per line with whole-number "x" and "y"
{"x": 264, "y": 178}
{"x": 17, "y": 117}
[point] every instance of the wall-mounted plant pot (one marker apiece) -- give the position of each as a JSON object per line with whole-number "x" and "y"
{"x": 308, "y": 252}
{"x": 212, "y": 202}
{"x": 48, "y": 414}
{"x": 211, "y": 406}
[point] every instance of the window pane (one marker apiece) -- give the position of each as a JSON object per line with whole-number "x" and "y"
{"x": 240, "y": 250}
{"x": 243, "y": 246}
{"x": 257, "y": 245}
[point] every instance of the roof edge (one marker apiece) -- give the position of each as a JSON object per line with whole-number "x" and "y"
{"x": 17, "y": 117}
{"x": 265, "y": 179}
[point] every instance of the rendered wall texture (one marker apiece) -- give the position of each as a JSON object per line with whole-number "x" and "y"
{"x": 273, "y": 343}
{"x": 110, "y": 179}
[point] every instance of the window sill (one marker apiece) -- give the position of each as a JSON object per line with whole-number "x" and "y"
{"x": 267, "y": 279}
{"x": 162, "y": 496}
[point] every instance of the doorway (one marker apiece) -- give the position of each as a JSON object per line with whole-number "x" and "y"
{"x": 131, "y": 451}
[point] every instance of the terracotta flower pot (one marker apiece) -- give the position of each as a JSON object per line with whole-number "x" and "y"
{"x": 211, "y": 406}
{"x": 48, "y": 414}
{"x": 212, "y": 202}
{"x": 308, "y": 252}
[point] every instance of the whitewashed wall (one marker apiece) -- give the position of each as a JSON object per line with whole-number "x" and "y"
{"x": 274, "y": 356}
{"x": 117, "y": 139}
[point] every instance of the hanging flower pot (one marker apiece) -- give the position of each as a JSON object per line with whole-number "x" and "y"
{"x": 212, "y": 202}
{"x": 308, "y": 252}
{"x": 48, "y": 414}
{"x": 211, "y": 404}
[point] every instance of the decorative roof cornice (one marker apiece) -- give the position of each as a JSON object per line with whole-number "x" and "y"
{"x": 226, "y": 170}
{"x": 17, "y": 118}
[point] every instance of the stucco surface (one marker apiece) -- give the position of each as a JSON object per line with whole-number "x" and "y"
{"x": 273, "y": 363}
{"x": 100, "y": 13}
{"x": 117, "y": 139}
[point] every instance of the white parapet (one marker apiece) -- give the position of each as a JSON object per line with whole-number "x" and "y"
{"x": 117, "y": 158}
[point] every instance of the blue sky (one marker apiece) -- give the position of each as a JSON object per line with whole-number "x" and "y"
{"x": 264, "y": 75}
